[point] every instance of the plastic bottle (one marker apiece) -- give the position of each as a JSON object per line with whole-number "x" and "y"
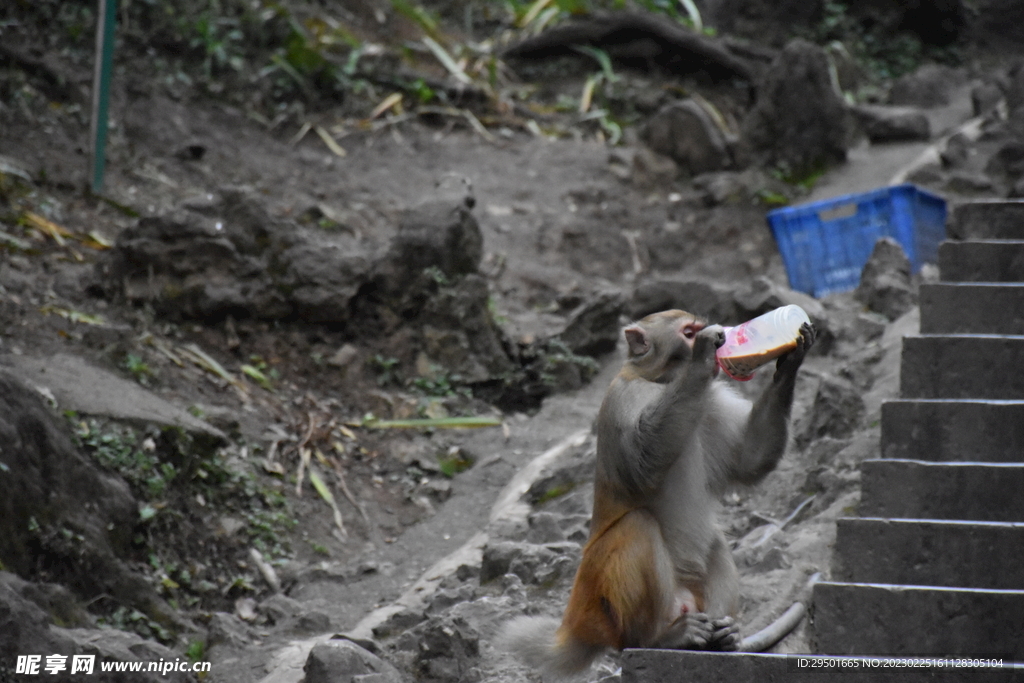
{"x": 750, "y": 345}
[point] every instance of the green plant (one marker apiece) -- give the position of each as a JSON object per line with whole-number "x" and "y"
{"x": 555, "y": 491}
{"x": 118, "y": 448}
{"x": 196, "y": 651}
{"x": 440, "y": 384}
{"x": 219, "y": 38}
{"x": 556, "y": 353}
{"x": 138, "y": 368}
{"x": 453, "y": 462}
{"x": 386, "y": 369}
{"x": 437, "y": 275}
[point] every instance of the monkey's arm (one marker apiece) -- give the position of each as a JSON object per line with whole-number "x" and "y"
{"x": 656, "y": 421}
{"x": 766, "y": 431}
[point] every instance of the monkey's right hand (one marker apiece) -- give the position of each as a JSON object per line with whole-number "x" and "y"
{"x": 705, "y": 344}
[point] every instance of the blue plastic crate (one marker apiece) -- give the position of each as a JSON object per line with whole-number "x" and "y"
{"x": 825, "y": 245}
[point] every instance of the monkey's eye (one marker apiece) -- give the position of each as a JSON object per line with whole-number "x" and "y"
{"x": 690, "y": 331}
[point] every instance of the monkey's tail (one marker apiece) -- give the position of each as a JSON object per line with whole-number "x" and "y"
{"x": 536, "y": 641}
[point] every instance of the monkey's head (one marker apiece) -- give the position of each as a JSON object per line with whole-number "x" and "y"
{"x": 660, "y": 343}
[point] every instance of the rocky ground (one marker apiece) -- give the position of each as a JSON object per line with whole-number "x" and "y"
{"x": 198, "y": 367}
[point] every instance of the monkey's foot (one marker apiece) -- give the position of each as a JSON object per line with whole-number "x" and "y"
{"x": 725, "y": 635}
{"x": 691, "y": 631}
{"x": 698, "y": 631}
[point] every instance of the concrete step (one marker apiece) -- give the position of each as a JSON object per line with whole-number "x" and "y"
{"x": 928, "y": 552}
{"x": 914, "y": 489}
{"x": 982, "y": 261}
{"x": 972, "y": 308}
{"x": 962, "y": 366}
{"x": 884, "y": 619}
{"x": 944, "y": 430}
{"x": 685, "y": 666}
{"x": 987, "y": 219}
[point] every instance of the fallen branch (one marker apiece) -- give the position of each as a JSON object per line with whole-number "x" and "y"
{"x": 629, "y": 36}
{"x": 435, "y": 423}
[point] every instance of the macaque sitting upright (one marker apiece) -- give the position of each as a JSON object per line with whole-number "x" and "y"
{"x": 656, "y": 571}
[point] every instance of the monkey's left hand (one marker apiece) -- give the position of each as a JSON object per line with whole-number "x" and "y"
{"x": 790, "y": 363}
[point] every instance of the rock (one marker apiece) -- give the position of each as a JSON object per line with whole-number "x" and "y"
{"x": 548, "y": 527}
{"x": 1008, "y": 161}
{"x": 593, "y": 328}
{"x": 398, "y": 622}
{"x": 648, "y": 169}
{"x": 701, "y": 297}
{"x": 60, "y": 511}
{"x": 799, "y": 122}
{"x": 836, "y": 412}
{"x": 279, "y": 608}
{"x": 342, "y": 661}
{"x": 440, "y": 234}
{"x": 892, "y": 124}
{"x": 58, "y": 602}
{"x": 345, "y": 357}
{"x": 80, "y": 386}
{"x": 774, "y": 559}
{"x": 929, "y": 86}
{"x": 227, "y": 629}
{"x": 448, "y": 648}
{"x": 109, "y": 644}
{"x": 985, "y": 98}
{"x": 1017, "y": 191}
{"x": 227, "y": 256}
{"x": 689, "y": 134}
{"x": 564, "y": 478}
{"x": 444, "y": 599}
{"x": 536, "y": 564}
{"x": 1015, "y": 88}
{"x": 545, "y": 527}
{"x": 997, "y": 23}
{"x": 460, "y": 334}
{"x": 958, "y": 150}
{"x": 25, "y": 626}
{"x": 969, "y": 182}
{"x": 438, "y": 490}
{"x": 313, "y": 621}
{"x": 885, "y": 285}
{"x": 730, "y": 187}
{"x": 767, "y": 22}
{"x": 927, "y": 174}
{"x": 192, "y": 151}
{"x": 497, "y": 558}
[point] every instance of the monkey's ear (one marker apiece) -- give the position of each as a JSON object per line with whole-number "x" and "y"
{"x": 636, "y": 338}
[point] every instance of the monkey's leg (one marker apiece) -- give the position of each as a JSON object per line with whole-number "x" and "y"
{"x": 721, "y": 597}
{"x": 690, "y": 629}
{"x": 623, "y": 593}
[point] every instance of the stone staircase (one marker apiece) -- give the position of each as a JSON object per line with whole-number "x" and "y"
{"x": 934, "y": 564}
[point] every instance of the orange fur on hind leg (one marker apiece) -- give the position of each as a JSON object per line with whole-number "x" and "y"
{"x": 623, "y": 593}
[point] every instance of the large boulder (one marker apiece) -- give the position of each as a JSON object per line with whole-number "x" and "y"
{"x": 800, "y": 122}
{"x": 701, "y": 297}
{"x": 227, "y": 255}
{"x": 342, "y": 661}
{"x": 885, "y": 285}
{"x": 27, "y": 615}
{"x": 687, "y": 132}
{"x": 892, "y": 124}
{"x": 929, "y": 86}
{"x": 61, "y": 517}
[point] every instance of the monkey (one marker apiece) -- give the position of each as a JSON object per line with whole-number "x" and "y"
{"x": 656, "y": 571}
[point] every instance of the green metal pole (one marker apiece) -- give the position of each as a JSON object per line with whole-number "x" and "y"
{"x": 105, "y": 24}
